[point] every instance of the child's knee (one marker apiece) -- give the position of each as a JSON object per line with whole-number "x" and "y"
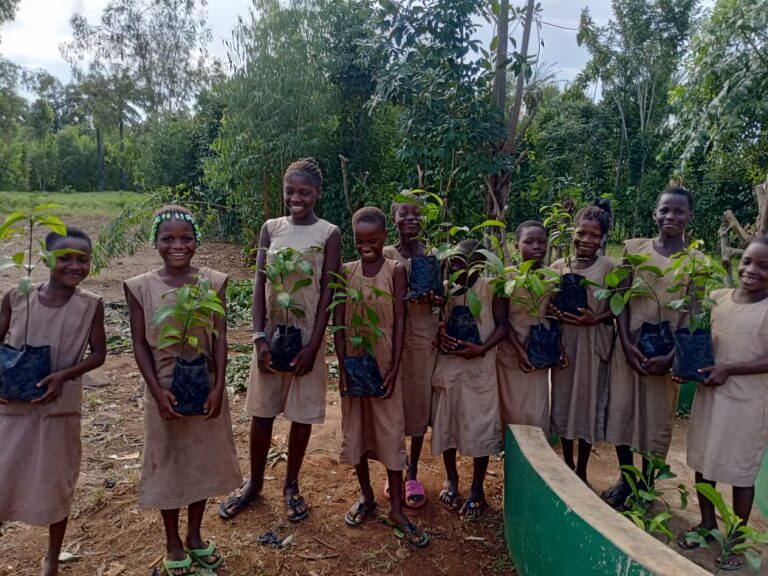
{"x": 259, "y": 422}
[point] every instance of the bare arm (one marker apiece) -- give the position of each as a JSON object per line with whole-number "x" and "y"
{"x": 400, "y": 286}
{"x": 259, "y": 307}
{"x": 213, "y": 403}
{"x": 5, "y": 315}
{"x": 340, "y": 343}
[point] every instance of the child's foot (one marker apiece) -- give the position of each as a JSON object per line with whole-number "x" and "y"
{"x": 474, "y": 507}
{"x": 617, "y": 495}
{"x": 359, "y": 513}
{"x": 686, "y": 542}
{"x": 239, "y": 499}
{"x": 296, "y": 508}
{"x": 415, "y": 497}
{"x": 204, "y": 554}
{"x": 449, "y": 495}
{"x": 730, "y": 563}
{"x": 50, "y": 566}
{"x": 178, "y": 563}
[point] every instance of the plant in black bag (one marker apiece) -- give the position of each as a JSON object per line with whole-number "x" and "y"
{"x": 655, "y": 339}
{"x": 466, "y": 263}
{"x": 193, "y": 312}
{"x": 288, "y": 271}
{"x": 363, "y": 374}
{"x": 695, "y": 275}
{"x": 530, "y": 285}
{"x": 21, "y": 370}
{"x": 571, "y": 296}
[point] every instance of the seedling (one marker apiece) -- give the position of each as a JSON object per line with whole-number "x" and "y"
{"x": 558, "y": 220}
{"x": 193, "y": 312}
{"x": 737, "y": 538}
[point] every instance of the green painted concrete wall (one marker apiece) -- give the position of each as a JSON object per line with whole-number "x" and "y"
{"x": 548, "y": 535}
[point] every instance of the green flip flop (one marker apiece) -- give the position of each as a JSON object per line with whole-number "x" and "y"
{"x": 200, "y": 554}
{"x": 170, "y": 566}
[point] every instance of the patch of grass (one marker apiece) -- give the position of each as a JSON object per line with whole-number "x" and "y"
{"x": 75, "y": 203}
{"x": 238, "y": 369}
{"x": 501, "y": 565}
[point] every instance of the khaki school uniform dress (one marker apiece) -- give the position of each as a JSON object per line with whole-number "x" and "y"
{"x": 40, "y": 444}
{"x": 374, "y": 427}
{"x": 419, "y": 357}
{"x": 524, "y": 398}
{"x": 300, "y": 399}
{"x": 641, "y": 409}
{"x": 728, "y": 431}
{"x": 580, "y": 391}
{"x": 465, "y": 393}
{"x": 188, "y": 459}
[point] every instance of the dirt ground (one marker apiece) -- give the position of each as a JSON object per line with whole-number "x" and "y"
{"x": 111, "y": 536}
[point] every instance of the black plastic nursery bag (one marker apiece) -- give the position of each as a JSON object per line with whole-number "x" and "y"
{"x": 21, "y": 371}
{"x": 571, "y": 295}
{"x": 544, "y": 346}
{"x": 285, "y": 346}
{"x": 462, "y": 325}
{"x": 363, "y": 377}
{"x": 191, "y": 385}
{"x": 655, "y": 339}
{"x": 424, "y": 277}
{"x": 693, "y": 352}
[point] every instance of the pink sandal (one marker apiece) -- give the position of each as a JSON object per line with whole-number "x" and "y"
{"x": 414, "y": 488}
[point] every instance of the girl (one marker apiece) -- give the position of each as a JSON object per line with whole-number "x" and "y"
{"x": 40, "y": 449}
{"x": 420, "y": 350}
{"x": 186, "y": 459}
{"x": 523, "y": 391}
{"x": 642, "y": 396}
{"x": 728, "y": 431}
{"x": 300, "y": 395}
{"x": 465, "y": 397}
{"x": 374, "y": 427}
{"x": 580, "y": 392}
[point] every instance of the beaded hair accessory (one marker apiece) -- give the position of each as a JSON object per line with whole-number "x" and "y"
{"x": 172, "y": 214}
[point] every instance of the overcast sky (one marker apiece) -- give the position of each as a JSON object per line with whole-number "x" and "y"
{"x": 33, "y": 39}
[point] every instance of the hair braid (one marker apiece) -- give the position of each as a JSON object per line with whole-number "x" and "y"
{"x": 309, "y": 169}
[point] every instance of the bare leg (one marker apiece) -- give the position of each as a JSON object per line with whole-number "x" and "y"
{"x": 585, "y": 450}
{"x": 743, "y": 497}
{"x": 708, "y": 518}
{"x": 396, "y": 514}
{"x": 475, "y": 505}
{"x": 617, "y": 494}
{"x": 174, "y": 547}
{"x": 298, "y": 439}
{"x": 567, "y": 446}
{"x": 55, "y": 541}
{"x": 195, "y": 541}
{"x": 417, "y": 442}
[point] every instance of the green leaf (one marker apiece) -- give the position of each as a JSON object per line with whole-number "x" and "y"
{"x": 356, "y": 341}
{"x": 24, "y": 285}
{"x": 193, "y": 341}
{"x": 304, "y": 282}
{"x": 18, "y": 259}
{"x": 617, "y": 304}
{"x": 474, "y": 303}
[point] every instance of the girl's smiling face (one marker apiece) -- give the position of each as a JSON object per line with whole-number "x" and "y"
{"x": 753, "y": 268}
{"x": 587, "y": 238}
{"x": 407, "y": 219}
{"x": 532, "y": 244}
{"x": 176, "y": 242}
{"x": 369, "y": 241}
{"x": 73, "y": 267}
{"x": 672, "y": 215}
{"x": 300, "y": 195}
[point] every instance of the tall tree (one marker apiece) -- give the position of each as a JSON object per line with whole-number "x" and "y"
{"x": 8, "y": 10}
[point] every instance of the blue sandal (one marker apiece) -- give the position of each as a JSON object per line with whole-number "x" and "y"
{"x": 411, "y": 534}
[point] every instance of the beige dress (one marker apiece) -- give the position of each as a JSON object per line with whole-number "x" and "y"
{"x": 40, "y": 447}
{"x": 419, "y": 357}
{"x": 580, "y": 391}
{"x": 374, "y": 427}
{"x": 728, "y": 431}
{"x": 188, "y": 459}
{"x": 641, "y": 409}
{"x": 524, "y": 398}
{"x": 301, "y": 399}
{"x": 465, "y": 393}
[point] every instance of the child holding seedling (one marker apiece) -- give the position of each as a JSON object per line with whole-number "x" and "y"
{"x": 465, "y": 401}
{"x": 580, "y": 391}
{"x": 299, "y": 395}
{"x": 420, "y": 350}
{"x": 40, "y": 448}
{"x": 523, "y": 390}
{"x": 187, "y": 459}
{"x": 728, "y": 431}
{"x": 374, "y": 427}
{"x": 642, "y": 397}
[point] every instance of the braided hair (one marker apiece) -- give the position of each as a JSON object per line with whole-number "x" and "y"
{"x": 307, "y": 168}
{"x": 175, "y": 212}
{"x": 595, "y": 213}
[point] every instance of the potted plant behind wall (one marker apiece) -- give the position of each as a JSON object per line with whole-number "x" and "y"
{"x": 695, "y": 275}
{"x": 571, "y": 295}
{"x": 530, "y": 286}
{"x": 655, "y": 339}
{"x": 364, "y": 377}
{"x": 21, "y": 370}
{"x": 181, "y": 323}
{"x": 287, "y": 266}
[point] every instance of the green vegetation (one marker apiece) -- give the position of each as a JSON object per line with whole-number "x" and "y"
{"x": 102, "y": 204}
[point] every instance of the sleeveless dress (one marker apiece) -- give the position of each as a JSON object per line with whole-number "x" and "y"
{"x": 641, "y": 409}
{"x": 524, "y": 398}
{"x": 580, "y": 392}
{"x": 728, "y": 431}
{"x": 465, "y": 393}
{"x": 188, "y": 459}
{"x": 301, "y": 399}
{"x": 374, "y": 427}
{"x": 40, "y": 448}
{"x": 419, "y": 357}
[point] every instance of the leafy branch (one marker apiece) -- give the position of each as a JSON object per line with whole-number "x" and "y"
{"x": 363, "y": 329}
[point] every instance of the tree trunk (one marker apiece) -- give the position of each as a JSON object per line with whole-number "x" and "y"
{"x": 500, "y": 78}
{"x": 121, "y": 127}
{"x": 99, "y": 160}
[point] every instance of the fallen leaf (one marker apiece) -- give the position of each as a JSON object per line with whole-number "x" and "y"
{"x": 131, "y": 456}
{"x": 287, "y": 541}
{"x": 68, "y": 557}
